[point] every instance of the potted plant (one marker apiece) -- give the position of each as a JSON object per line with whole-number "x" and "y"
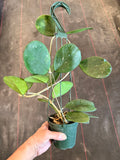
{"x": 37, "y": 60}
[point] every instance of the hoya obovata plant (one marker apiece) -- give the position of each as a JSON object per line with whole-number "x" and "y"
{"x": 37, "y": 60}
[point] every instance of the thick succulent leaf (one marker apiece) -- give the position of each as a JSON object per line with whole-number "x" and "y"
{"x": 67, "y": 58}
{"x": 79, "y": 30}
{"x": 32, "y": 80}
{"x": 61, "y": 88}
{"x": 42, "y": 78}
{"x": 45, "y": 25}
{"x": 81, "y": 105}
{"x": 77, "y": 117}
{"x": 37, "y": 58}
{"x": 96, "y": 67}
{"x": 16, "y": 83}
{"x": 37, "y": 79}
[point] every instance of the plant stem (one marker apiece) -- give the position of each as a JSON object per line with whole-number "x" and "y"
{"x": 38, "y": 93}
{"x": 62, "y": 115}
{"x": 51, "y": 103}
{"x": 51, "y": 75}
{"x": 51, "y": 42}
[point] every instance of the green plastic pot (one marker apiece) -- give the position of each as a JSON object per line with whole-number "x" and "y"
{"x": 70, "y": 130}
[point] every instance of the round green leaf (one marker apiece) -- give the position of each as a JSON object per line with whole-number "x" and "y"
{"x": 37, "y": 58}
{"x": 16, "y": 83}
{"x": 67, "y": 58}
{"x": 81, "y": 105}
{"x": 37, "y": 79}
{"x": 62, "y": 87}
{"x": 45, "y": 25}
{"x": 96, "y": 67}
{"x": 77, "y": 117}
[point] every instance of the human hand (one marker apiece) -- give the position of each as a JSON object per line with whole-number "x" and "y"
{"x": 37, "y": 144}
{"x": 42, "y": 139}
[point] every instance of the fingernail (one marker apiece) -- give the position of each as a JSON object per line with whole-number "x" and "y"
{"x": 62, "y": 136}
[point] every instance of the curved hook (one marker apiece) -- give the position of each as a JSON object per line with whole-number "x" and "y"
{"x": 53, "y": 7}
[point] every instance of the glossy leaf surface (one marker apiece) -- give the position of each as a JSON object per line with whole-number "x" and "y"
{"x": 77, "y": 117}
{"x": 37, "y": 58}
{"x": 81, "y": 105}
{"x": 65, "y": 87}
{"x": 45, "y": 25}
{"x": 37, "y": 79}
{"x": 96, "y": 67}
{"x": 16, "y": 83}
{"x": 67, "y": 58}
{"x": 79, "y": 30}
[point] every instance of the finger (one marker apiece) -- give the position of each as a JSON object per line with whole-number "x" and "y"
{"x": 57, "y": 136}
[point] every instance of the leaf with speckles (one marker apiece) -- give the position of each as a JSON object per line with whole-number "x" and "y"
{"x": 67, "y": 58}
{"x": 77, "y": 117}
{"x": 81, "y": 105}
{"x": 17, "y": 84}
{"x": 61, "y": 88}
{"x": 37, "y": 58}
{"x": 96, "y": 67}
{"x": 45, "y": 25}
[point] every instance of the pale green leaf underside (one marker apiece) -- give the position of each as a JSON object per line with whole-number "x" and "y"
{"x": 96, "y": 67}
{"x": 16, "y": 83}
{"x": 79, "y": 30}
{"x": 45, "y": 25}
{"x": 77, "y": 117}
{"x": 37, "y": 79}
{"x": 81, "y": 105}
{"x": 61, "y": 88}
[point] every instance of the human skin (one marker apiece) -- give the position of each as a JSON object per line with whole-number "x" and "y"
{"x": 37, "y": 144}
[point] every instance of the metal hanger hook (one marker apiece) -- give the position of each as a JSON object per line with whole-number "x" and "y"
{"x": 53, "y": 7}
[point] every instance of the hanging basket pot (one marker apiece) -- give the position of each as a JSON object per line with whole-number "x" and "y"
{"x": 69, "y": 129}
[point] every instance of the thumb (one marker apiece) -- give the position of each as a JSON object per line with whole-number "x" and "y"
{"x": 57, "y": 136}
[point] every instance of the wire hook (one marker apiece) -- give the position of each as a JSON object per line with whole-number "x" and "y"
{"x": 60, "y": 31}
